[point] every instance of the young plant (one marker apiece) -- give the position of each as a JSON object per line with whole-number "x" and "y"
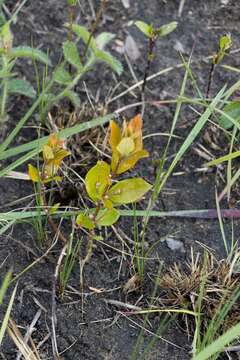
{"x": 69, "y": 261}
{"x": 54, "y": 153}
{"x": 153, "y": 34}
{"x": 103, "y": 189}
{"x": 224, "y": 45}
{"x": 93, "y": 52}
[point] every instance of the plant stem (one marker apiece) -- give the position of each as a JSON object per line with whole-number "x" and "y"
{"x": 53, "y": 225}
{"x": 210, "y": 79}
{"x": 150, "y": 56}
{"x": 100, "y": 12}
{"x": 71, "y": 16}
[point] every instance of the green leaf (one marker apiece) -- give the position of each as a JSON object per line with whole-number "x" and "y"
{"x": 85, "y": 221}
{"x": 98, "y": 238}
{"x": 128, "y": 191}
{"x": 6, "y": 73}
{"x": 167, "y": 29}
{"x": 73, "y": 97}
{"x": 22, "y": 87}
{"x": 145, "y": 28}
{"x": 2, "y": 16}
{"x": 233, "y": 110}
{"x": 109, "y": 60}
{"x": 6, "y": 37}
{"x": 72, "y": 2}
{"x": 62, "y": 76}
{"x": 103, "y": 39}
{"x": 28, "y": 52}
{"x": 71, "y": 54}
{"x": 84, "y": 34}
{"x": 225, "y": 42}
{"x": 107, "y": 217}
{"x": 97, "y": 180}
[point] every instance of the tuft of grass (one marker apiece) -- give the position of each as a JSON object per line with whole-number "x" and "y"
{"x": 209, "y": 287}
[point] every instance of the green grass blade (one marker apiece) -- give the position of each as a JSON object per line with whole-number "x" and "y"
{"x": 193, "y": 134}
{"x": 224, "y": 158}
{"x": 23, "y": 120}
{"x": 63, "y": 133}
{"x": 4, "y": 285}
{"x": 218, "y": 345}
{"x": 18, "y": 162}
{"x": 202, "y": 214}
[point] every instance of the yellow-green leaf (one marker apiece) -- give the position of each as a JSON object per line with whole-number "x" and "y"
{"x": 225, "y": 42}
{"x": 145, "y": 28}
{"x": 126, "y": 146}
{"x": 107, "y": 203}
{"x": 33, "y": 173}
{"x": 97, "y": 180}
{"x": 47, "y": 152}
{"x": 60, "y": 155}
{"x": 128, "y": 191}
{"x": 224, "y": 158}
{"x": 53, "y": 178}
{"x": 6, "y": 37}
{"x": 115, "y": 135}
{"x": 167, "y": 29}
{"x": 54, "y": 208}
{"x": 85, "y": 222}
{"x": 131, "y": 161}
{"x": 107, "y": 217}
{"x": 115, "y": 161}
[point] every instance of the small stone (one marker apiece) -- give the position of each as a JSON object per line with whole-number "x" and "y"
{"x": 175, "y": 245}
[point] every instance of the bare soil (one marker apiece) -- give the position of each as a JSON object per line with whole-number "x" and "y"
{"x": 94, "y": 328}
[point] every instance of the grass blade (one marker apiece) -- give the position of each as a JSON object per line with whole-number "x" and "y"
{"x": 7, "y": 315}
{"x": 63, "y": 133}
{"x": 218, "y": 345}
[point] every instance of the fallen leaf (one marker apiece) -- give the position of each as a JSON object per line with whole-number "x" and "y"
{"x": 131, "y": 48}
{"x": 132, "y": 284}
{"x": 126, "y": 4}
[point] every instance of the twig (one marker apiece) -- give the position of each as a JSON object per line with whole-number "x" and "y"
{"x": 29, "y": 331}
{"x": 122, "y": 304}
{"x": 95, "y": 24}
{"x": 54, "y": 226}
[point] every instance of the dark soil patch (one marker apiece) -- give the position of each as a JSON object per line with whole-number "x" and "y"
{"x": 92, "y": 329}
